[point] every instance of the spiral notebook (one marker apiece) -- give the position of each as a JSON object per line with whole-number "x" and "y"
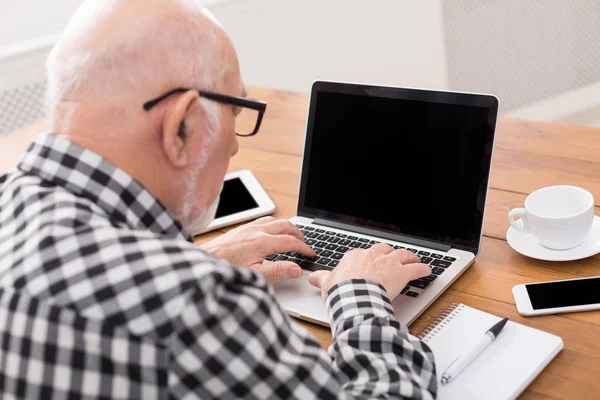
{"x": 503, "y": 370}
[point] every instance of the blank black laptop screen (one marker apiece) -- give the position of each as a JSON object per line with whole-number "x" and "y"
{"x": 418, "y": 168}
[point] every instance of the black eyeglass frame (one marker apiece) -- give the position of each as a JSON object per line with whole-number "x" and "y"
{"x": 253, "y": 104}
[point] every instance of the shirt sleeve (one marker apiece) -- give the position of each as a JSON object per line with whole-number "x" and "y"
{"x": 233, "y": 340}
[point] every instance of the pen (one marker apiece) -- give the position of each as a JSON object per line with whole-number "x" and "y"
{"x": 481, "y": 344}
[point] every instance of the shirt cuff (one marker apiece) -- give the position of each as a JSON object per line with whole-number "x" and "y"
{"x": 357, "y": 299}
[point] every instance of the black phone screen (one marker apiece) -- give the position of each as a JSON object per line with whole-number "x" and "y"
{"x": 570, "y": 293}
{"x": 235, "y": 198}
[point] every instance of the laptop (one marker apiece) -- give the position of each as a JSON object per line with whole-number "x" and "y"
{"x": 403, "y": 166}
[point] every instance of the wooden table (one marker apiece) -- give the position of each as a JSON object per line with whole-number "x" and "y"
{"x": 528, "y": 155}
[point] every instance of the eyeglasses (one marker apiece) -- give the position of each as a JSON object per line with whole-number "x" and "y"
{"x": 247, "y": 122}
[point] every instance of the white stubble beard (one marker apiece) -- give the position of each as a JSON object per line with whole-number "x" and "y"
{"x": 201, "y": 222}
{"x": 196, "y": 225}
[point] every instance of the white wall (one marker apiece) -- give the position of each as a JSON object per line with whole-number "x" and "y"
{"x": 25, "y": 20}
{"x": 287, "y": 43}
{"x": 290, "y": 43}
{"x": 539, "y": 57}
{"x": 28, "y": 29}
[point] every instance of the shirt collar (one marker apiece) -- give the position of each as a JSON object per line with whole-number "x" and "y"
{"x": 87, "y": 174}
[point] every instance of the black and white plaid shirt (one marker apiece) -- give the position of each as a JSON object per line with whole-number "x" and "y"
{"x": 103, "y": 295}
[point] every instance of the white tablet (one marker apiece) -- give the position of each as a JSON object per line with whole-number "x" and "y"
{"x": 242, "y": 199}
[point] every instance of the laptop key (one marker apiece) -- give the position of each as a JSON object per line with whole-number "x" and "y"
{"x": 312, "y": 259}
{"x": 311, "y": 242}
{"x": 318, "y": 251}
{"x": 271, "y": 257}
{"x": 320, "y": 230}
{"x": 326, "y": 253}
{"x": 344, "y": 242}
{"x": 337, "y": 256}
{"x": 333, "y": 239}
{"x": 331, "y": 246}
{"x": 437, "y": 270}
{"x": 441, "y": 263}
{"x": 330, "y": 233}
{"x": 281, "y": 257}
{"x": 405, "y": 289}
{"x": 429, "y": 278}
{"x": 355, "y": 245}
{"x": 412, "y": 294}
{"x": 309, "y": 228}
{"x": 363, "y": 240}
{"x": 398, "y": 247}
{"x": 451, "y": 259}
{"x": 299, "y": 226}
{"x": 312, "y": 235}
{"x": 426, "y": 260}
{"x": 321, "y": 244}
{"x": 295, "y": 254}
{"x": 341, "y": 235}
{"x": 296, "y": 260}
{"x": 323, "y": 237}
{"x": 342, "y": 249}
{"x": 374, "y": 242}
{"x": 423, "y": 253}
{"x": 413, "y": 250}
{"x": 365, "y": 246}
{"x": 323, "y": 261}
{"x": 352, "y": 237}
{"x": 333, "y": 263}
{"x": 313, "y": 266}
{"x": 433, "y": 255}
{"x": 419, "y": 284}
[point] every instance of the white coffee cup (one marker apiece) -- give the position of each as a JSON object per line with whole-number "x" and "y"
{"x": 560, "y": 217}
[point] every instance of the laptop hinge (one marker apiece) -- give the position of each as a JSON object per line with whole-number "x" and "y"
{"x": 386, "y": 235}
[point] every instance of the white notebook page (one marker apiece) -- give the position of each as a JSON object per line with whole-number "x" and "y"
{"x": 504, "y": 369}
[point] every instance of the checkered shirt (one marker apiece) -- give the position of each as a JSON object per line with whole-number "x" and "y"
{"x": 103, "y": 295}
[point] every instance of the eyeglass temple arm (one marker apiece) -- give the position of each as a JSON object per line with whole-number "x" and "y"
{"x": 154, "y": 102}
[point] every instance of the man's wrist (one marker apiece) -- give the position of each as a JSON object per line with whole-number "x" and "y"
{"x": 207, "y": 247}
{"x": 357, "y": 298}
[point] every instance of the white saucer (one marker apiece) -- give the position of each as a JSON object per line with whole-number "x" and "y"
{"x": 528, "y": 245}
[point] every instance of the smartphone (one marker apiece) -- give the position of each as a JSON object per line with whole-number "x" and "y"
{"x": 562, "y": 296}
{"x": 242, "y": 199}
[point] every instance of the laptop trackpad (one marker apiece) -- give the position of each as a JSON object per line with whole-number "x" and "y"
{"x": 300, "y": 299}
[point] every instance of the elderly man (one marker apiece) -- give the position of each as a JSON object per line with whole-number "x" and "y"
{"x": 103, "y": 293}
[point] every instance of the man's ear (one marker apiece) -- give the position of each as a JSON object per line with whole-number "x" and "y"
{"x": 174, "y": 140}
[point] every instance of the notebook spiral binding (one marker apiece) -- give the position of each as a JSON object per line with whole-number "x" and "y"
{"x": 440, "y": 321}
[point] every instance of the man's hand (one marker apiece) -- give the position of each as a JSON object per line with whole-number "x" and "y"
{"x": 392, "y": 269}
{"x": 248, "y": 245}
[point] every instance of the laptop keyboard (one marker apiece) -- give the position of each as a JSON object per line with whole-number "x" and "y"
{"x": 331, "y": 246}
